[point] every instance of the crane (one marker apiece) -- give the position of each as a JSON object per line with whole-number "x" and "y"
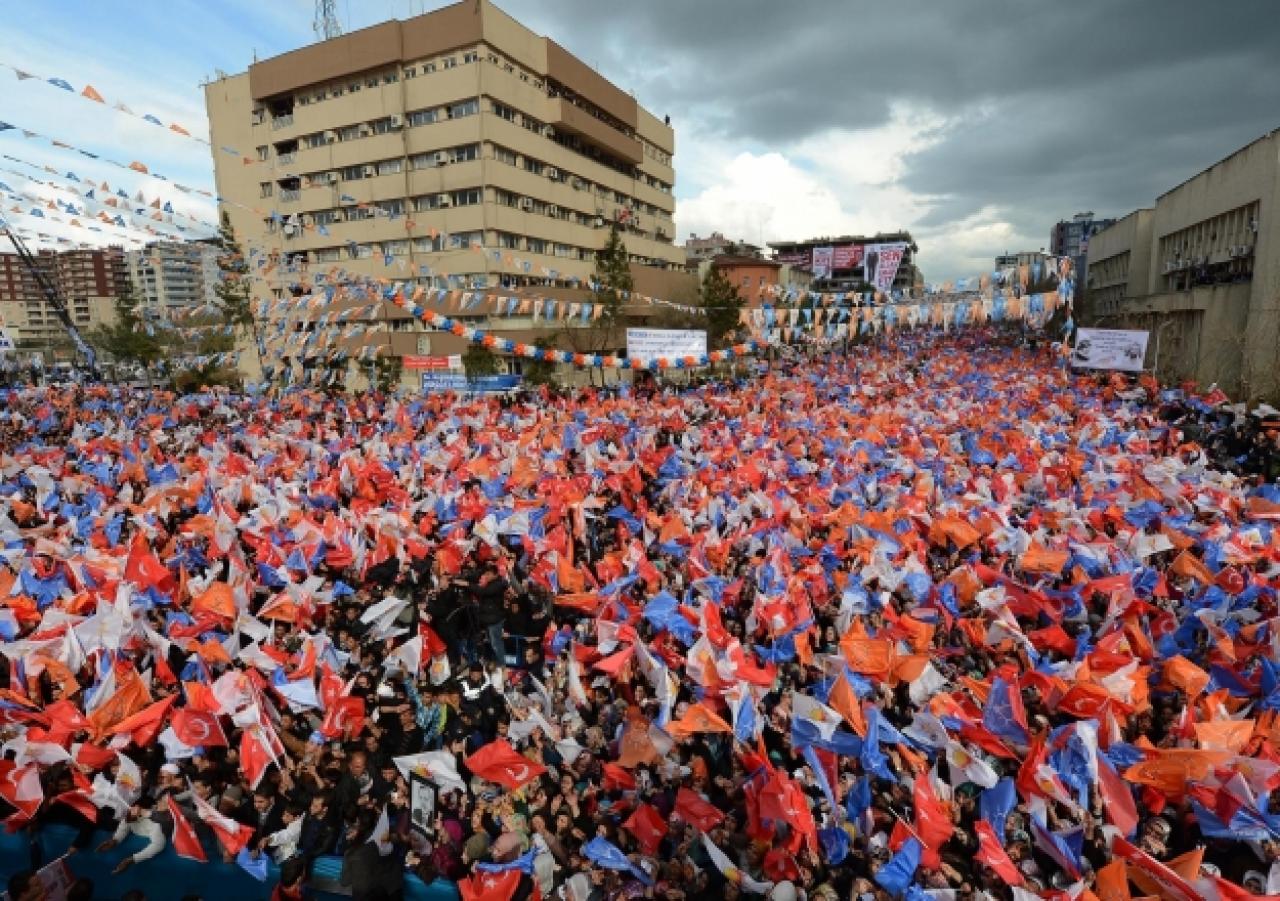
{"x": 326, "y": 23}
{"x": 50, "y": 291}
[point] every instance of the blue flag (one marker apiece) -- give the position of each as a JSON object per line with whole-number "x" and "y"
{"x": 257, "y": 868}
{"x": 523, "y": 863}
{"x": 999, "y": 717}
{"x": 835, "y": 844}
{"x": 609, "y": 856}
{"x": 896, "y": 875}
{"x": 995, "y": 804}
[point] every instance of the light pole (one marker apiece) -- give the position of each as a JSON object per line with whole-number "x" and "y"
{"x": 1155, "y": 363}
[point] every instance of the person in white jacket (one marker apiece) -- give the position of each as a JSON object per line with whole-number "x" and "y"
{"x": 137, "y": 821}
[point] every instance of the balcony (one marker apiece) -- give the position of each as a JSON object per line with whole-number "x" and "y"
{"x": 284, "y": 159}
{"x": 291, "y": 195}
{"x": 284, "y": 121}
{"x": 565, "y": 116}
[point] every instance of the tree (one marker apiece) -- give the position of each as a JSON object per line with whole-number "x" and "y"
{"x": 612, "y": 284}
{"x": 212, "y": 338}
{"x": 387, "y": 370}
{"x": 478, "y": 361}
{"x": 722, "y": 305}
{"x": 235, "y": 300}
{"x": 129, "y": 339}
{"x": 539, "y": 372}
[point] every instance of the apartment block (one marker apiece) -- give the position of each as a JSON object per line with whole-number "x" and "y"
{"x": 456, "y": 149}
{"x": 88, "y": 281}
{"x": 172, "y": 277}
{"x": 1201, "y": 271}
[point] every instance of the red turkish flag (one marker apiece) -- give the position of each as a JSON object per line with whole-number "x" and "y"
{"x": 702, "y": 815}
{"x": 498, "y": 762}
{"x": 618, "y": 779}
{"x": 233, "y": 836}
{"x": 992, "y": 854}
{"x": 198, "y": 728}
{"x": 144, "y": 569}
{"x": 185, "y": 841}
{"x": 343, "y": 716}
{"x": 80, "y": 802}
{"x": 259, "y": 748}
{"x": 648, "y": 826}
{"x": 489, "y": 886}
{"x": 20, "y": 786}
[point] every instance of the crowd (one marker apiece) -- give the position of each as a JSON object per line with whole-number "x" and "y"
{"x": 935, "y": 618}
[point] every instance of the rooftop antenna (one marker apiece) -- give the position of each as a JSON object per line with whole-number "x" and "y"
{"x": 325, "y": 23}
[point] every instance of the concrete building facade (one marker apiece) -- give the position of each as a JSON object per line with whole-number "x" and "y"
{"x": 1201, "y": 270}
{"x": 696, "y": 249}
{"x": 171, "y": 277}
{"x": 1071, "y": 237}
{"x": 1022, "y": 258}
{"x": 456, "y": 149}
{"x": 89, "y": 281}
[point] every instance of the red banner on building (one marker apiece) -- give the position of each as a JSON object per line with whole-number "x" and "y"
{"x": 415, "y": 361}
{"x": 847, "y": 257}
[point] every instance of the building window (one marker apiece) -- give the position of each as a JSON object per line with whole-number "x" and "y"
{"x": 422, "y": 117}
{"x": 465, "y": 240}
{"x": 396, "y": 248}
{"x": 382, "y": 126}
{"x": 348, "y": 133}
{"x": 503, "y": 155}
{"x": 422, "y": 160}
{"x": 315, "y": 140}
{"x": 470, "y": 56}
{"x": 359, "y": 213}
{"x": 391, "y": 77}
{"x": 466, "y": 197}
{"x": 391, "y": 207}
{"x": 464, "y": 108}
{"x": 390, "y": 167}
{"x": 428, "y": 245}
{"x": 359, "y": 251}
{"x": 262, "y": 154}
{"x": 351, "y": 173}
{"x": 502, "y": 111}
{"x": 448, "y": 63}
{"x": 411, "y": 72}
{"x": 428, "y": 67}
{"x": 264, "y": 189}
{"x": 536, "y": 245}
{"x": 464, "y": 153}
{"x": 325, "y": 217}
{"x": 328, "y": 255}
{"x": 507, "y": 240}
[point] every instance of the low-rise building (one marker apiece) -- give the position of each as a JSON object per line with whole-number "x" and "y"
{"x": 1201, "y": 271}
{"x": 848, "y": 264}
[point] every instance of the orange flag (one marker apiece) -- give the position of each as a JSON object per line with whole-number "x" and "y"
{"x": 868, "y": 656}
{"x": 217, "y": 599}
{"x": 130, "y": 696}
{"x": 1182, "y": 673}
{"x": 1190, "y": 566}
{"x": 845, "y": 702}
{"x": 698, "y": 718}
{"x": 1224, "y": 735}
{"x": 1111, "y": 882}
{"x": 1039, "y": 559}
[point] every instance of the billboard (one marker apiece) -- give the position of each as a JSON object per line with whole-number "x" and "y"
{"x": 793, "y": 258}
{"x": 822, "y": 260}
{"x": 847, "y": 257}
{"x": 433, "y": 382}
{"x": 648, "y": 343}
{"x": 881, "y": 262}
{"x": 1106, "y": 348}
{"x": 423, "y": 361}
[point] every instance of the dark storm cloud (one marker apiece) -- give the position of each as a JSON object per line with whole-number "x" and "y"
{"x": 1053, "y": 106}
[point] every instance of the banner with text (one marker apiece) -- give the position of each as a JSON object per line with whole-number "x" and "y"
{"x": 881, "y": 263}
{"x": 1104, "y": 348}
{"x": 822, "y": 261}
{"x": 847, "y": 257}
{"x": 648, "y": 343}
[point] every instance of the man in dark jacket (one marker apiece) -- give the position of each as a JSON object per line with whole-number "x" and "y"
{"x": 490, "y": 594}
{"x": 319, "y": 834}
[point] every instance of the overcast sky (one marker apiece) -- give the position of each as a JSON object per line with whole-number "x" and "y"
{"x": 975, "y": 124}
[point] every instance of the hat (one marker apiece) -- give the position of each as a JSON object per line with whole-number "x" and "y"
{"x": 784, "y": 891}
{"x": 170, "y": 769}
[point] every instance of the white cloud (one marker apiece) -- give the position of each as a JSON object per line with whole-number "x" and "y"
{"x": 839, "y": 181}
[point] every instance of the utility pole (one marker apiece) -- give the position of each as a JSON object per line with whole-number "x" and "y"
{"x": 326, "y": 23}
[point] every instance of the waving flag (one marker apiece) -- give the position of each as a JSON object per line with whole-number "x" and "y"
{"x": 991, "y": 854}
{"x": 185, "y": 841}
{"x": 198, "y": 728}
{"x": 490, "y": 886}
{"x": 1003, "y": 716}
{"x": 698, "y": 812}
{"x": 603, "y": 853}
{"x": 648, "y": 827}
{"x": 896, "y": 875}
{"x": 498, "y": 762}
{"x": 731, "y": 872}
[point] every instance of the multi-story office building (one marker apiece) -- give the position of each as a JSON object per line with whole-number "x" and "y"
{"x": 1022, "y": 258}
{"x": 840, "y": 264}
{"x": 89, "y": 281}
{"x": 1201, "y": 271}
{"x": 170, "y": 277}
{"x": 456, "y": 149}
{"x": 1070, "y": 237}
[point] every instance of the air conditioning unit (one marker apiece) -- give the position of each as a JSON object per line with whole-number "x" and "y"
{"x": 440, "y": 158}
{"x": 548, "y": 131}
{"x": 330, "y": 137}
{"x": 444, "y": 200}
{"x": 1246, "y": 250}
{"x": 578, "y": 184}
{"x": 332, "y": 177}
{"x": 396, "y": 122}
{"x": 370, "y": 171}
{"x": 365, "y": 131}
{"x": 599, "y": 221}
{"x": 553, "y": 172}
{"x": 526, "y": 203}
{"x": 553, "y": 210}
{"x": 289, "y": 229}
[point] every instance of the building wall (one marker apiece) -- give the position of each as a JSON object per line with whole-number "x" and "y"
{"x": 476, "y": 131}
{"x": 87, "y": 280}
{"x": 171, "y": 277}
{"x": 1210, "y": 284}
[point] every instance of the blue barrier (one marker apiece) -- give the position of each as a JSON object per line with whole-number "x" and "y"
{"x": 168, "y": 877}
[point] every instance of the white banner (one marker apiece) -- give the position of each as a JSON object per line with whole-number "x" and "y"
{"x": 823, "y": 258}
{"x": 6, "y": 340}
{"x": 648, "y": 343}
{"x": 1104, "y": 348}
{"x": 880, "y": 264}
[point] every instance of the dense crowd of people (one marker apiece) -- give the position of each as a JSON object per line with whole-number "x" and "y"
{"x": 938, "y": 617}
